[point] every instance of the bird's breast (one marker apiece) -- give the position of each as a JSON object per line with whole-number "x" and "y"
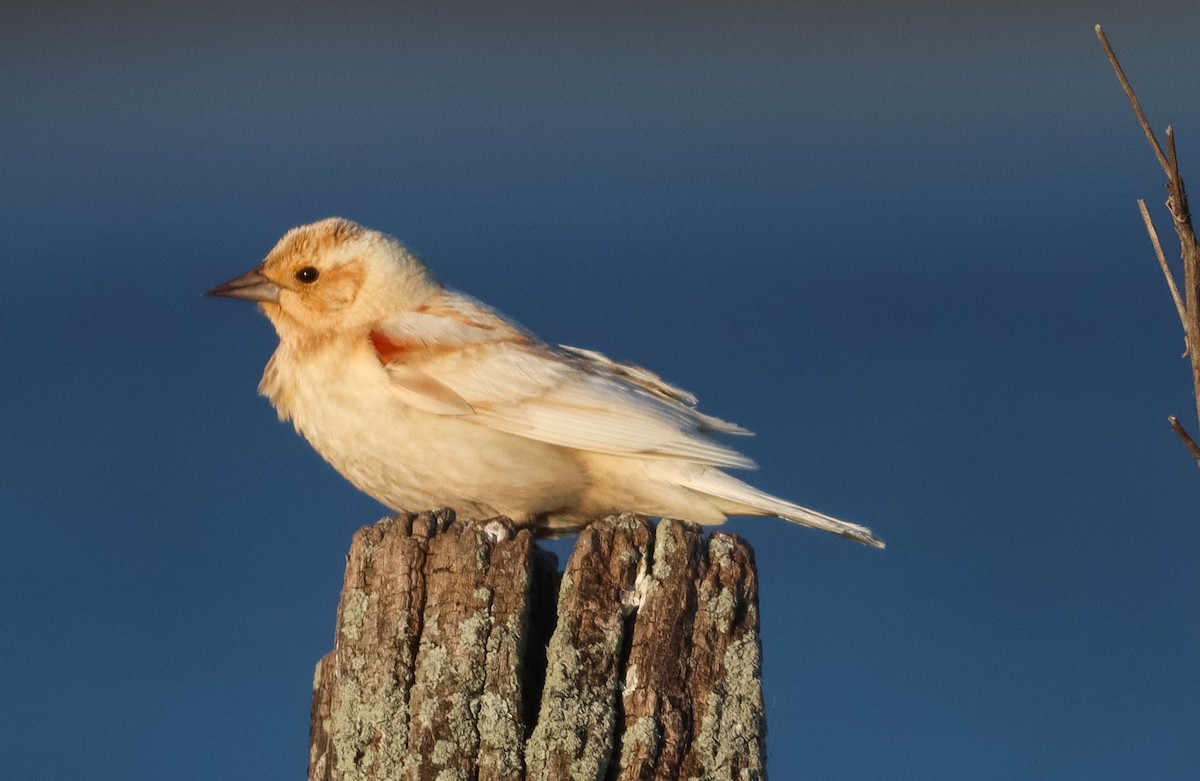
{"x": 342, "y": 401}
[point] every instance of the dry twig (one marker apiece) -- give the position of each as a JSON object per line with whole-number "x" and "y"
{"x": 1187, "y": 305}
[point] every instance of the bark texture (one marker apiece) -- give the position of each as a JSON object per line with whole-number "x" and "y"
{"x": 461, "y": 653}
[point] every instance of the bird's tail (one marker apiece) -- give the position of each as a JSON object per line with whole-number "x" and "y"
{"x": 738, "y": 498}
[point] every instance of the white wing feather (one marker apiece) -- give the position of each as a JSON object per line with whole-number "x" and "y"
{"x": 506, "y": 379}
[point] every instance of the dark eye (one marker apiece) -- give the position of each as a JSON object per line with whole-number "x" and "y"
{"x": 308, "y": 275}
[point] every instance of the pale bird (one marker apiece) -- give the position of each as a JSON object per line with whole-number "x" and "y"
{"x": 423, "y": 397}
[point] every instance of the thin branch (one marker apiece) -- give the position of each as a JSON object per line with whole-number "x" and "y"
{"x": 1187, "y": 305}
{"x": 1162, "y": 262}
{"x": 1190, "y": 251}
{"x": 1187, "y": 439}
{"x": 1133, "y": 101}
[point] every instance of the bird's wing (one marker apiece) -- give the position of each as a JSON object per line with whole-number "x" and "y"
{"x": 457, "y": 357}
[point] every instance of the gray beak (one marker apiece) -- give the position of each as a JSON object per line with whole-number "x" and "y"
{"x": 252, "y": 286}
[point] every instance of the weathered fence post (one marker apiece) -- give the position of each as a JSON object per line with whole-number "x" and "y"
{"x": 458, "y": 654}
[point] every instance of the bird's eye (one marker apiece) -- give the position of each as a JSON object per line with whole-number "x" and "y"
{"x": 308, "y": 275}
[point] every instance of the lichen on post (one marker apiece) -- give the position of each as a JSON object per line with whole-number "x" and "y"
{"x": 459, "y": 654}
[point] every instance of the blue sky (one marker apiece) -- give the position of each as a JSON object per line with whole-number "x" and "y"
{"x": 898, "y": 242}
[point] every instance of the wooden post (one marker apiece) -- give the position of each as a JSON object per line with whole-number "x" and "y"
{"x": 458, "y": 654}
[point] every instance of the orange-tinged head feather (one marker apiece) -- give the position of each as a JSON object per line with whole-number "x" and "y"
{"x": 337, "y": 277}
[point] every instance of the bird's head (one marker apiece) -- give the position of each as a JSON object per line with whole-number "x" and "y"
{"x": 333, "y": 276}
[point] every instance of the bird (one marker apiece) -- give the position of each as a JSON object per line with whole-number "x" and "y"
{"x": 423, "y": 397}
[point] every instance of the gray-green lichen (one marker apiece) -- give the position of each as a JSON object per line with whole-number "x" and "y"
{"x": 501, "y": 737}
{"x": 641, "y": 737}
{"x": 473, "y": 631}
{"x": 664, "y": 546}
{"x": 500, "y": 733}
{"x": 367, "y": 731}
{"x": 449, "y": 677}
{"x": 733, "y": 728}
{"x": 450, "y": 774}
{"x": 434, "y": 669}
{"x": 720, "y": 550}
{"x": 354, "y": 610}
{"x": 576, "y": 721}
{"x": 368, "y": 725}
{"x": 443, "y": 752}
{"x": 722, "y": 608}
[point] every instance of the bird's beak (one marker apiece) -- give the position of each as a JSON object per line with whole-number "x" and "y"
{"x": 252, "y": 286}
